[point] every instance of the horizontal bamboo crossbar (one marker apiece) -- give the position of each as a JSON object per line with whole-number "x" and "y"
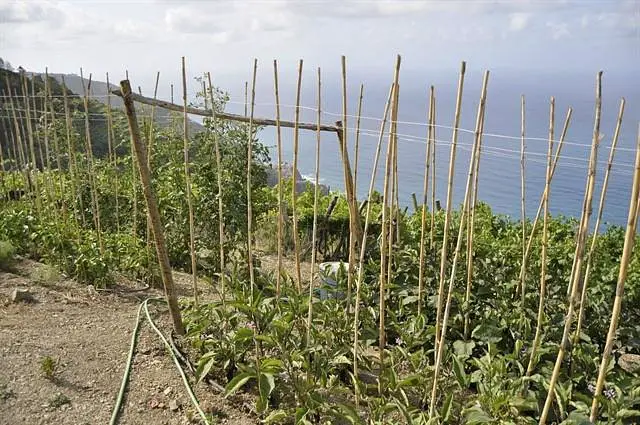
{"x": 224, "y": 115}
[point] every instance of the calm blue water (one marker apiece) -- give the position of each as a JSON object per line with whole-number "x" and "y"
{"x": 500, "y": 165}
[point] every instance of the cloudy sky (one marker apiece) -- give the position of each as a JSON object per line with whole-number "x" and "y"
{"x": 223, "y": 36}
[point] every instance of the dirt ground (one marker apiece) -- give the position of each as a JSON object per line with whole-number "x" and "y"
{"x": 88, "y": 334}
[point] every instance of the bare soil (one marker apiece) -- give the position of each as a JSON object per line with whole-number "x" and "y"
{"x": 88, "y": 333}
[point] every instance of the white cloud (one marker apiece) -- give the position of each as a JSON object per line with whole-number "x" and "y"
{"x": 191, "y": 20}
{"x": 559, "y": 29}
{"x": 26, "y": 12}
{"x": 518, "y": 21}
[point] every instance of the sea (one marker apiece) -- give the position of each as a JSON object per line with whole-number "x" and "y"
{"x": 499, "y": 179}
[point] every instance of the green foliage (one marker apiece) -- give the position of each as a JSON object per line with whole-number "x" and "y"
{"x": 7, "y": 253}
{"x": 58, "y": 401}
{"x": 48, "y": 367}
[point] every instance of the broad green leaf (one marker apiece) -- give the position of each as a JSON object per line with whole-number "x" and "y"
{"x": 464, "y": 349}
{"x": 237, "y": 382}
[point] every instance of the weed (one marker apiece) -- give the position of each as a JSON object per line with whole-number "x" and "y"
{"x": 46, "y": 275}
{"x": 5, "y": 392}
{"x": 7, "y": 252}
{"x": 48, "y": 367}
{"x": 58, "y": 401}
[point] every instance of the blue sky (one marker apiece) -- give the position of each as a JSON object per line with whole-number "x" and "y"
{"x": 223, "y": 36}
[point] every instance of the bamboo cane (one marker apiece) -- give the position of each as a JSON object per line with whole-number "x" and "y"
{"x": 347, "y": 177}
{"x": 432, "y": 142}
{"x": 523, "y": 212}
{"x": 246, "y": 98}
{"x": 280, "y": 200}
{"x": 35, "y": 111}
{"x": 425, "y": 187}
{"x": 46, "y": 164}
{"x": 18, "y": 138}
{"x": 316, "y": 195}
{"x": 187, "y": 178}
{"x": 363, "y": 244}
{"x": 73, "y": 167}
{"x": 56, "y": 142}
{"x": 31, "y": 147}
{"x": 471, "y": 219}
{"x": 543, "y": 255}
{"x": 625, "y": 259}
{"x": 112, "y": 154}
{"x": 556, "y": 157}
{"x": 150, "y": 142}
{"x": 579, "y": 257}
{"x": 152, "y": 208}
{"x": 386, "y": 216}
{"x": 95, "y": 205}
{"x": 466, "y": 203}
{"x": 603, "y": 193}
{"x": 221, "y": 237}
{"x": 249, "y": 163}
{"x": 447, "y": 217}
{"x": 357, "y": 143}
{"x": 294, "y": 191}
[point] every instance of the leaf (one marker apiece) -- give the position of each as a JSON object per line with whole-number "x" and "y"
{"x": 461, "y": 375}
{"x": 341, "y": 359}
{"x": 446, "y": 408}
{"x": 275, "y": 416}
{"x": 488, "y": 333}
{"x": 267, "y": 383}
{"x": 475, "y": 415}
{"x": 627, "y": 413}
{"x": 204, "y": 368}
{"x": 238, "y": 381}
{"x": 464, "y": 349}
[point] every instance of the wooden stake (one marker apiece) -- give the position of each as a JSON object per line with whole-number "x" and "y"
{"x": 625, "y": 259}
{"x": 220, "y": 209}
{"x": 363, "y": 244}
{"x": 112, "y": 154}
{"x": 543, "y": 255}
{"x": 386, "y": 216}
{"x": 152, "y": 208}
{"x": 187, "y": 178}
{"x": 249, "y": 164}
{"x": 280, "y": 197}
{"x": 294, "y": 188}
{"x": 603, "y": 193}
{"x": 95, "y": 204}
{"x": 447, "y": 217}
{"x": 73, "y": 167}
{"x": 316, "y": 195}
{"x": 432, "y": 142}
{"x": 34, "y": 167}
{"x": 523, "y": 211}
{"x": 467, "y": 200}
{"x": 425, "y": 188}
{"x": 579, "y": 256}
{"x": 357, "y": 144}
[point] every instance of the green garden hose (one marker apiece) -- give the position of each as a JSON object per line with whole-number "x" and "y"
{"x": 127, "y": 371}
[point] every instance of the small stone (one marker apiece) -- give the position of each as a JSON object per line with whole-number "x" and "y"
{"x": 174, "y": 405}
{"x": 629, "y": 362}
{"x": 22, "y": 295}
{"x": 161, "y": 405}
{"x": 167, "y": 391}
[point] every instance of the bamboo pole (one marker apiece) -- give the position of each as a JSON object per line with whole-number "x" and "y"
{"x": 187, "y": 178}
{"x": 95, "y": 205}
{"x": 249, "y": 163}
{"x": 357, "y": 143}
{"x": 221, "y": 236}
{"x": 603, "y": 193}
{"x": 465, "y": 208}
{"x": 230, "y": 117}
{"x": 150, "y": 142}
{"x": 56, "y": 142}
{"x": 112, "y": 154}
{"x": 73, "y": 166}
{"x": 432, "y": 142}
{"x": 447, "y": 217}
{"x": 556, "y": 157}
{"x": 580, "y": 248}
{"x": 425, "y": 187}
{"x": 140, "y": 150}
{"x": 294, "y": 191}
{"x": 246, "y": 99}
{"x": 386, "y": 215}
{"x": 523, "y": 212}
{"x": 35, "y": 118}
{"x": 471, "y": 219}
{"x": 349, "y": 184}
{"x": 46, "y": 163}
{"x": 363, "y": 244}
{"x": 280, "y": 200}
{"x": 543, "y": 255}
{"x": 32, "y": 169}
{"x": 18, "y": 139}
{"x": 625, "y": 259}
{"x": 316, "y": 195}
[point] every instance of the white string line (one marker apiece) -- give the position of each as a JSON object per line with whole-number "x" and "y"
{"x": 410, "y": 138}
{"x": 447, "y": 127}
